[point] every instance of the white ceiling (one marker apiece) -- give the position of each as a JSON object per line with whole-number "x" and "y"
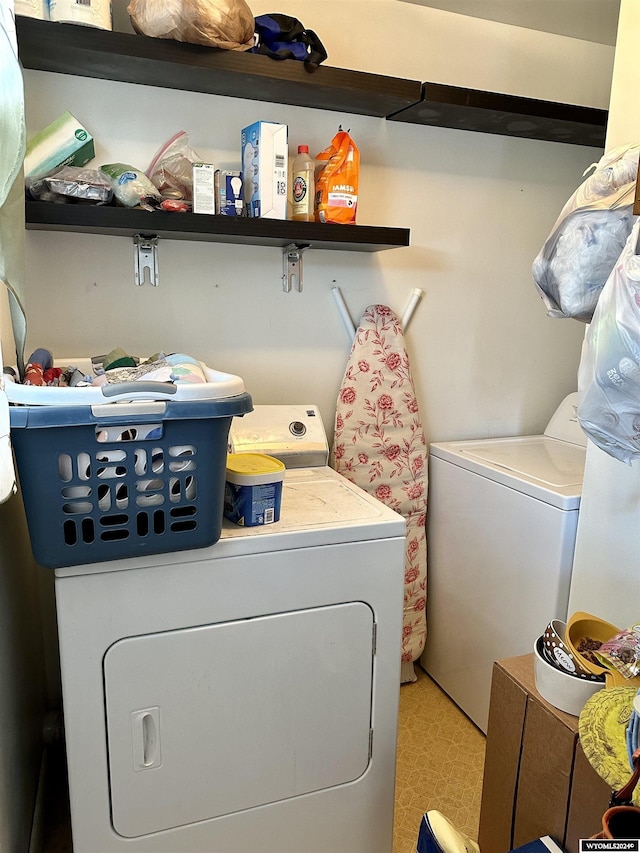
{"x": 591, "y": 20}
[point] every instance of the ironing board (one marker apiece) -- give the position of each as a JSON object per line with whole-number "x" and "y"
{"x": 379, "y": 445}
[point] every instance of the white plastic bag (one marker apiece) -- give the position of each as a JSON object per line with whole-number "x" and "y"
{"x": 588, "y": 237}
{"x": 130, "y": 186}
{"x": 609, "y": 373}
{"x": 227, "y": 24}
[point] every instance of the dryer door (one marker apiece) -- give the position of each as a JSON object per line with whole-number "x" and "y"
{"x": 207, "y": 721}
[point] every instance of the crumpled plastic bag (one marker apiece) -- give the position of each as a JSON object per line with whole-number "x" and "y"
{"x": 131, "y": 187}
{"x": 609, "y": 372}
{"x": 72, "y": 182}
{"x": 588, "y": 236}
{"x": 226, "y": 24}
{"x": 622, "y": 652}
{"x": 171, "y": 169}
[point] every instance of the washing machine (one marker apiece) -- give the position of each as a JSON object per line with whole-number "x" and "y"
{"x": 501, "y": 529}
{"x": 241, "y": 697}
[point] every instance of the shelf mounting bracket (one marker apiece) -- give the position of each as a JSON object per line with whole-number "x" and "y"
{"x": 145, "y": 260}
{"x": 292, "y": 266}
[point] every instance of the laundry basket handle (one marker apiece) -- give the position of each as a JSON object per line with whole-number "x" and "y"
{"x": 137, "y": 389}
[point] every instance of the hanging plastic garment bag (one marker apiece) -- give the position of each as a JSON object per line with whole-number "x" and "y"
{"x": 609, "y": 373}
{"x": 573, "y": 265}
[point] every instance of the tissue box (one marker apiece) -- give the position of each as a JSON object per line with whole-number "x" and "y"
{"x": 265, "y": 169}
{"x": 228, "y": 190}
{"x": 65, "y": 142}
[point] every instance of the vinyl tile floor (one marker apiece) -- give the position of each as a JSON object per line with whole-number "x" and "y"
{"x": 439, "y": 766}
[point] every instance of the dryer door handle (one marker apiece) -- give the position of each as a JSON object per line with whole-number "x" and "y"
{"x": 145, "y": 731}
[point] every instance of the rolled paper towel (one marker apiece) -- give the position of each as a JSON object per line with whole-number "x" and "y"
{"x": 32, "y": 9}
{"x": 91, "y": 13}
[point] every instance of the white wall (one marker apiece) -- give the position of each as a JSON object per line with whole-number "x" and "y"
{"x": 624, "y": 112}
{"x": 486, "y": 358}
{"x": 596, "y": 20}
{"x": 389, "y": 37}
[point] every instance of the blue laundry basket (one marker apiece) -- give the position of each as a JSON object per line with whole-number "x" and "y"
{"x": 123, "y": 479}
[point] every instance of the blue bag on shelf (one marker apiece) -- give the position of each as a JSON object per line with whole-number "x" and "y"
{"x": 284, "y": 37}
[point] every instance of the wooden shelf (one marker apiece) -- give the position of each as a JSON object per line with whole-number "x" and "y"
{"x": 123, "y": 222}
{"x": 508, "y": 115}
{"x": 128, "y": 58}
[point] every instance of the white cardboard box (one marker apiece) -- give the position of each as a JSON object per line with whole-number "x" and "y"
{"x": 265, "y": 168}
{"x": 203, "y": 188}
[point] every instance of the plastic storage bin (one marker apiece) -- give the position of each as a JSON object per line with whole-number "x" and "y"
{"x": 253, "y": 491}
{"x": 125, "y": 478}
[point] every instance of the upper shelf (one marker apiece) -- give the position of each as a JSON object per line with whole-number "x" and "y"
{"x": 128, "y": 58}
{"x": 123, "y": 222}
{"x": 507, "y": 115}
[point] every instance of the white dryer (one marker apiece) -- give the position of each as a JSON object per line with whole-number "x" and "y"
{"x": 243, "y": 696}
{"x": 501, "y": 523}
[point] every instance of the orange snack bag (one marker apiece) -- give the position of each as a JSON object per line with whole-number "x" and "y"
{"x": 337, "y": 183}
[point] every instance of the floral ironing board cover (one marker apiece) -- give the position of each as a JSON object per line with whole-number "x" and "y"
{"x": 379, "y": 445}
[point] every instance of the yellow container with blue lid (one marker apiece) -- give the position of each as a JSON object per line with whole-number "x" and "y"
{"x": 253, "y": 489}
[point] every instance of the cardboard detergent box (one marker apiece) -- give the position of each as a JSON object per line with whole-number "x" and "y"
{"x": 537, "y": 780}
{"x": 265, "y": 168}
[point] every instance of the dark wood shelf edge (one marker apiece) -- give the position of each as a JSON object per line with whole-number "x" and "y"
{"x": 508, "y": 115}
{"x": 130, "y": 58}
{"x": 122, "y": 222}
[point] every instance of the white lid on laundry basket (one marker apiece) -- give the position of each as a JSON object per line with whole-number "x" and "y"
{"x": 219, "y": 385}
